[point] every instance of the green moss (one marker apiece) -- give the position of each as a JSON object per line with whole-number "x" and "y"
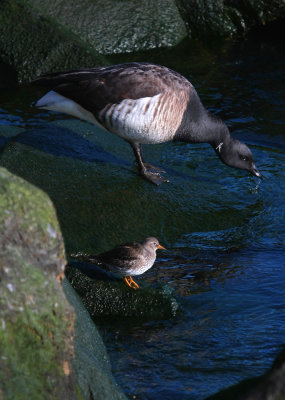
{"x": 27, "y": 209}
{"x": 34, "y": 315}
{"x": 27, "y": 361}
{"x": 17, "y": 197}
{"x": 32, "y": 334}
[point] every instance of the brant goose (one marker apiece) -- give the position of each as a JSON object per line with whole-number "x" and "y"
{"x": 143, "y": 103}
{"x": 126, "y": 259}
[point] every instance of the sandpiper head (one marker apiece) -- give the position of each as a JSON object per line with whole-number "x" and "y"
{"x": 237, "y": 155}
{"x": 153, "y": 243}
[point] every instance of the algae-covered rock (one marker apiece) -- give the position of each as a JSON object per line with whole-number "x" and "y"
{"x": 34, "y": 44}
{"x": 219, "y": 19}
{"x": 46, "y": 352}
{"x": 112, "y": 26}
{"x": 105, "y": 297}
{"x": 44, "y": 36}
{"x": 35, "y": 317}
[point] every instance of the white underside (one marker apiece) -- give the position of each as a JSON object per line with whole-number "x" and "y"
{"x": 132, "y": 120}
{"x": 56, "y": 102}
{"x": 135, "y": 120}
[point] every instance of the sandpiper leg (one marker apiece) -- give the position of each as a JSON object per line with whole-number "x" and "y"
{"x": 130, "y": 281}
{"x": 145, "y": 169}
{"x": 133, "y": 282}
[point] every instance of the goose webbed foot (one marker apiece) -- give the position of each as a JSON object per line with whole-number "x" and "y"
{"x": 153, "y": 177}
{"x": 148, "y": 171}
{"x": 153, "y": 168}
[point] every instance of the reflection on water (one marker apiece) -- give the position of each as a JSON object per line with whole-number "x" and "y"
{"x": 224, "y": 230}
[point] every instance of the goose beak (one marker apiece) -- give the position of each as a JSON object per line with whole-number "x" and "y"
{"x": 161, "y": 247}
{"x": 255, "y": 172}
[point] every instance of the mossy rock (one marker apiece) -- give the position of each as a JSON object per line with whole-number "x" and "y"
{"x": 36, "y": 319}
{"x": 107, "y": 297}
{"x": 33, "y": 44}
{"x": 46, "y": 351}
{"x": 211, "y": 19}
{"x": 112, "y": 26}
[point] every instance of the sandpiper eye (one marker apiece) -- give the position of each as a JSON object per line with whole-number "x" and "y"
{"x": 243, "y": 158}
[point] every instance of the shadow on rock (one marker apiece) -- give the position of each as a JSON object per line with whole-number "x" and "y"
{"x": 60, "y": 141}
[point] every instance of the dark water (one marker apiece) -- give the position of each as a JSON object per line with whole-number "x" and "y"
{"x": 224, "y": 230}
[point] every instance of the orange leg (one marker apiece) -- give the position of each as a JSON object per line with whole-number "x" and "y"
{"x": 131, "y": 283}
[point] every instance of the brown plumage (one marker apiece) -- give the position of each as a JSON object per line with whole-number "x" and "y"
{"x": 126, "y": 259}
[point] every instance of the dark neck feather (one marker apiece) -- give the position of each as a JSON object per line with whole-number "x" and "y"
{"x": 200, "y": 126}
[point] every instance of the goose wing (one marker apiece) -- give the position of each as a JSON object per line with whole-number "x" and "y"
{"x": 95, "y": 88}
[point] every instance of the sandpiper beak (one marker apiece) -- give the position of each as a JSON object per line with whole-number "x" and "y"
{"x": 255, "y": 171}
{"x": 161, "y": 247}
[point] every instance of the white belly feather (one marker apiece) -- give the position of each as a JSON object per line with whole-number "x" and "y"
{"x": 138, "y": 120}
{"x": 145, "y": 120}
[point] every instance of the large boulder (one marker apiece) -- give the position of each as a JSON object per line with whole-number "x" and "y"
{"x": 40, "y": 36}
{"x": 112, "y": 26}
{"x": 36, "y": 319}
{"x": 33, "y": 44}
{"x": 208, "y": 19}
{"x": 44, "y": 353}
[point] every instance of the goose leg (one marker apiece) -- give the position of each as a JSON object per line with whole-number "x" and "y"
{"x": 148, "y": 171}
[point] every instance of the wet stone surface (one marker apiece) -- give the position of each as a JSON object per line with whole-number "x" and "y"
{"x": 106, "y": 297}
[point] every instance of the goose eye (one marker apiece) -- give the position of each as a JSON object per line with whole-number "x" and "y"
{"x": 243, "y": 158}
